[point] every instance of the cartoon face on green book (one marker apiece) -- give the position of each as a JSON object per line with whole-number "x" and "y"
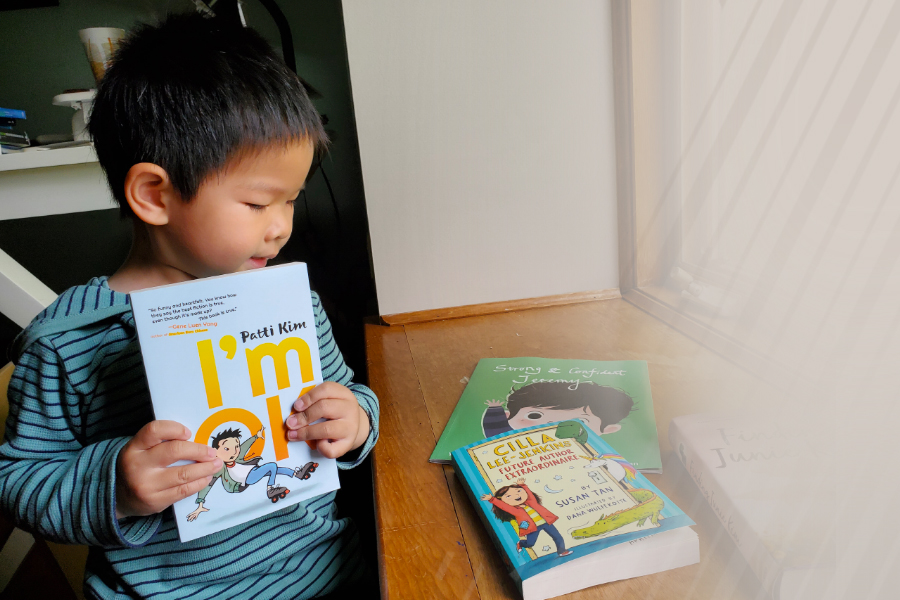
{"x": 601, "y": 407}
{"x": 509, "y": 395}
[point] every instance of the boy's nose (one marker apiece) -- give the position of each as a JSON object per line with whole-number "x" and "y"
{"x": 281, "y": 227}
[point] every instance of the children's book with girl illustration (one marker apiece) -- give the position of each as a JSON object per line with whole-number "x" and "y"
{"x": 567, "y": 512}
{"x": 226, "y": 357}
{"x": 508, "y": 394}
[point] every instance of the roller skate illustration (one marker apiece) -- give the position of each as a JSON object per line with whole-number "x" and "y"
{"x": 274, "y": 493}
{"x": 306, "y": 470}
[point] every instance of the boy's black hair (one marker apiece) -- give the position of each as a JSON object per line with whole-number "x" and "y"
{"x": 224, "y": 435}
{"x": 191, "y": 94}
{"x": 608, "y": 403}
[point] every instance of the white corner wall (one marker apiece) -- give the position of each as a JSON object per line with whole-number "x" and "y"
{"x": 486, "y": 135}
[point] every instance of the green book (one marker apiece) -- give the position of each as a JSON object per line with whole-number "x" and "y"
{"x": 507, "y": 394}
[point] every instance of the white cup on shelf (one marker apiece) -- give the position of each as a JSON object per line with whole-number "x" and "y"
{"x": 100, "y": 44}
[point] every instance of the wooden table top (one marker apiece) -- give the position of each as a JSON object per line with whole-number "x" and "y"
{"x": 431, "y": 542}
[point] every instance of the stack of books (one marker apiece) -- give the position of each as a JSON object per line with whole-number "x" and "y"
{"x": 12, "y": 135}
{"x": 551, "y": 454}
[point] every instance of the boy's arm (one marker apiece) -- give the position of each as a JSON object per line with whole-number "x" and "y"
{"x": 50, "y": 482}
{"x": 334, "y": 369}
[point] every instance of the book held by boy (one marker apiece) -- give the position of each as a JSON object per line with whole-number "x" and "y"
{"x": 226, "y": 357}
{"x": 759, "y": 477}
{"x": 505, "y": 394}
{"x": 566, "y": 511}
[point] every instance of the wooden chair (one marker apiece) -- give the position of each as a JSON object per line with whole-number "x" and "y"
{"x": 31, "y": 567}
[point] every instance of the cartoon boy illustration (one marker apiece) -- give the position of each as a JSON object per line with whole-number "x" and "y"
{"x": 522, "y": 508}
{"x": 241, "y": 468}
{"x": 600, "y": 407}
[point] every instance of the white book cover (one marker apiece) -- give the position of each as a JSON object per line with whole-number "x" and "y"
{"x": 760, "y": 479}
{"x": 226, "y": 357}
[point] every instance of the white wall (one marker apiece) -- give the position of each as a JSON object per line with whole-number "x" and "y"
{"x": 486, "y": 135}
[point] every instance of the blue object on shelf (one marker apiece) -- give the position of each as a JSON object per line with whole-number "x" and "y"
{"x": 12, "y": 113}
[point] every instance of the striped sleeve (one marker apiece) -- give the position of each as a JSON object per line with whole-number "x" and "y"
{"x": 49, "y": 481}
{"x": 335, "y": 369}
{"x": 494, "y": 421}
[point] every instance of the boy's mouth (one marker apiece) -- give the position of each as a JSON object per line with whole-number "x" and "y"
{"x": 258, "y": 262}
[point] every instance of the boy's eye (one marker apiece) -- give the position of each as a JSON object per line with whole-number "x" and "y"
{"x": 256, "y": 207}
{"x": 534, "y": 415}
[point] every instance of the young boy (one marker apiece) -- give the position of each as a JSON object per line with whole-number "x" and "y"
{"x": 206, "y": 139}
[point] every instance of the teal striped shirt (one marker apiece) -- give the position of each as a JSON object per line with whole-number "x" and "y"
{"x": 76, "y": 397}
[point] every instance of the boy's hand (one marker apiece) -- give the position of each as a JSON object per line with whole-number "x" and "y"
{"x": 145, "y": 484}
{"x": 494, "y": 404}
{"x": 346, "y": 424}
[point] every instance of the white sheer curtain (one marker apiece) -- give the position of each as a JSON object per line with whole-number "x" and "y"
{"x": 765, "y": 222}
{"x": 766, "y": 156}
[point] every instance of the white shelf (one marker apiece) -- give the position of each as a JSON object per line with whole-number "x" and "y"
{"x": 55, "y": 157}
{"x": 38, "y": 183}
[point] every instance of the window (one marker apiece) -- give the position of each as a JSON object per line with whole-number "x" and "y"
{"x": 759, "y": 149}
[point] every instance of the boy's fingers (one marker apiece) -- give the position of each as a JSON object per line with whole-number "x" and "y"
{"x": 333, "y": 449}
{"x": 156, "y": 432}
{"x": 297, "y": 420}
{"x": 179, "y": 476}
{"x": 327, "y": 430}
{"x": 329, "y": 389}
{"x": 166, "y": 453}
{"x": 327, "y": 408}
{"x": 312, "y": 396}
{"x": 174, "y": 494}
{"x": 301, "y": 402}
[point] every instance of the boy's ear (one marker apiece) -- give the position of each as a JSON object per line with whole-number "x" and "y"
{"x": 149, "y": 193}
{"x": 507, "y": 413}
{"x": 612, "y": 428}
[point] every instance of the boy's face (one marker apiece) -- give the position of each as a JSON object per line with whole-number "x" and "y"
{"x": 241, "y": 216}
{"x": 228, "y": 449}
{"x": 529, "y": 417}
